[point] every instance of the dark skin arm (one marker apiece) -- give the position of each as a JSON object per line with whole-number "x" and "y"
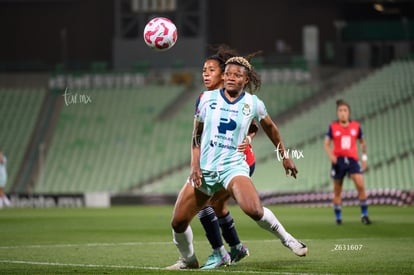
{"x": 195, "y": 174}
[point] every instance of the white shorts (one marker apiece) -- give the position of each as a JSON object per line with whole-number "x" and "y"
{"x": 212, "y": 181}
{"x": 3, "y": 181}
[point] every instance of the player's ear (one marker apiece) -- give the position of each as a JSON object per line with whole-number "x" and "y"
{"x": 247, "y": 80}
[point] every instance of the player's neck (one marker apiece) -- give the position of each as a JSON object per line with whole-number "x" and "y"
{"x": 344, "y": 123}
{"x": 233, "y": 95}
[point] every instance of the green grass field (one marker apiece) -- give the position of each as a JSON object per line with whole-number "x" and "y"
{"x": 137, "y": 240}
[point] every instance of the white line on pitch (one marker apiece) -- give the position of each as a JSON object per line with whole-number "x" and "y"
{"x": 142, "y": 267}
{"x": 77, "y": 265}
{"x": 106, "y": 244}
{"x": 82, "y": 245}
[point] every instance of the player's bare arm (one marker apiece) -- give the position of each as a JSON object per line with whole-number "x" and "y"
{"x": 272, "y": 132}
{"x": 363, "y": 145}
{"x": 364, "y": 158}
{"x": 329, "y": 151}
{"x": 195, "y": 174}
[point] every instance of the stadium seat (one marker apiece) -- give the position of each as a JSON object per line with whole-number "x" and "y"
{"x": 19, "y": 109}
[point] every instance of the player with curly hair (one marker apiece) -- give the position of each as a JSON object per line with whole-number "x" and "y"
{"x": 216, "y": 215}
{"x": 221, "y": 122}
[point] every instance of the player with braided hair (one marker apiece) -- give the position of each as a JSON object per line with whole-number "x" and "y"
{"x": 216, "y": 215}
{"x": 221, "y": 122}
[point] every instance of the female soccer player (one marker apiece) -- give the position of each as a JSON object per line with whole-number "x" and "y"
{"x": 222, "y": 120}
{"x": 344, "y": 134}
{"x": 216, "y": 215}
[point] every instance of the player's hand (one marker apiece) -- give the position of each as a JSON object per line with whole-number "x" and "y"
{"x": 290, "y": 167}
{"x": 334, "y": 159}
{"x": 364, "y": 165}
{"x": 243, "y": 146}
{"x": 195, "y": 176}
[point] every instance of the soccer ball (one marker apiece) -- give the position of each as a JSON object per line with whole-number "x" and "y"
{"x": 160, "y": 34}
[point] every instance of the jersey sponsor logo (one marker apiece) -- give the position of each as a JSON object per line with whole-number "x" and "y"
{"x": 225, "y": 138}
{"x": 226, "y": 125}
{"x": 346, "y": 142}
{"x": 226, "y": 146}
{"x": 229, "y": 110}
{"x": 222, "y": 145}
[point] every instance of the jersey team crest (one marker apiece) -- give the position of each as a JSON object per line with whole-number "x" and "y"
{"x": 246, "y": 109}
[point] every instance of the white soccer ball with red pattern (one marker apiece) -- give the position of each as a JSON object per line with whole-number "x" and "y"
{"x": 160, "y": 34}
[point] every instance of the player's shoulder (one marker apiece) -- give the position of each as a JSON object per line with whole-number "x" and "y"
{"x": 208, "y": 94}
{"x": 253, "y": 98}
{"x": 203, "y": 95}
{"x": 354, "y": 123}
{"x": 249, "y": 95}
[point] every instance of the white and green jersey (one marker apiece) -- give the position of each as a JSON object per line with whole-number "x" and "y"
{"x": 225, "y": 126}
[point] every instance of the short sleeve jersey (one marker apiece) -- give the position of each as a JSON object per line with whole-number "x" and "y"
{"x": 226, "y": 125}
{"x": 345, "y": 138}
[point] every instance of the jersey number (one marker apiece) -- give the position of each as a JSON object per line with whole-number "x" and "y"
{"x": 346, "y": 142}
{"x": 226, "y": 125}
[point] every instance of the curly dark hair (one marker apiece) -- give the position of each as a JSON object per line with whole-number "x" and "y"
{"x": 223, "y": 53}
{"x": 254, "y": 79}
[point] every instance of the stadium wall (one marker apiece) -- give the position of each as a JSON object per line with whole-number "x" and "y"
{"x": 31, "y": 81}
{"x": 103, "y": 199}
{"x": 128, "y": 52}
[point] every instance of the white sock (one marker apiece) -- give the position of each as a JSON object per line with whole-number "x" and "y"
{"x": 184, "y": 243}
{"x": 221, "y": 250}
{"x": 272, "y": 224}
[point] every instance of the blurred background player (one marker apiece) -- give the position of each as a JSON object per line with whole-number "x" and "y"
{"x": 344, "y": 134}
{"x": 216, "y": 215}
{"x": 4, "y": 201}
